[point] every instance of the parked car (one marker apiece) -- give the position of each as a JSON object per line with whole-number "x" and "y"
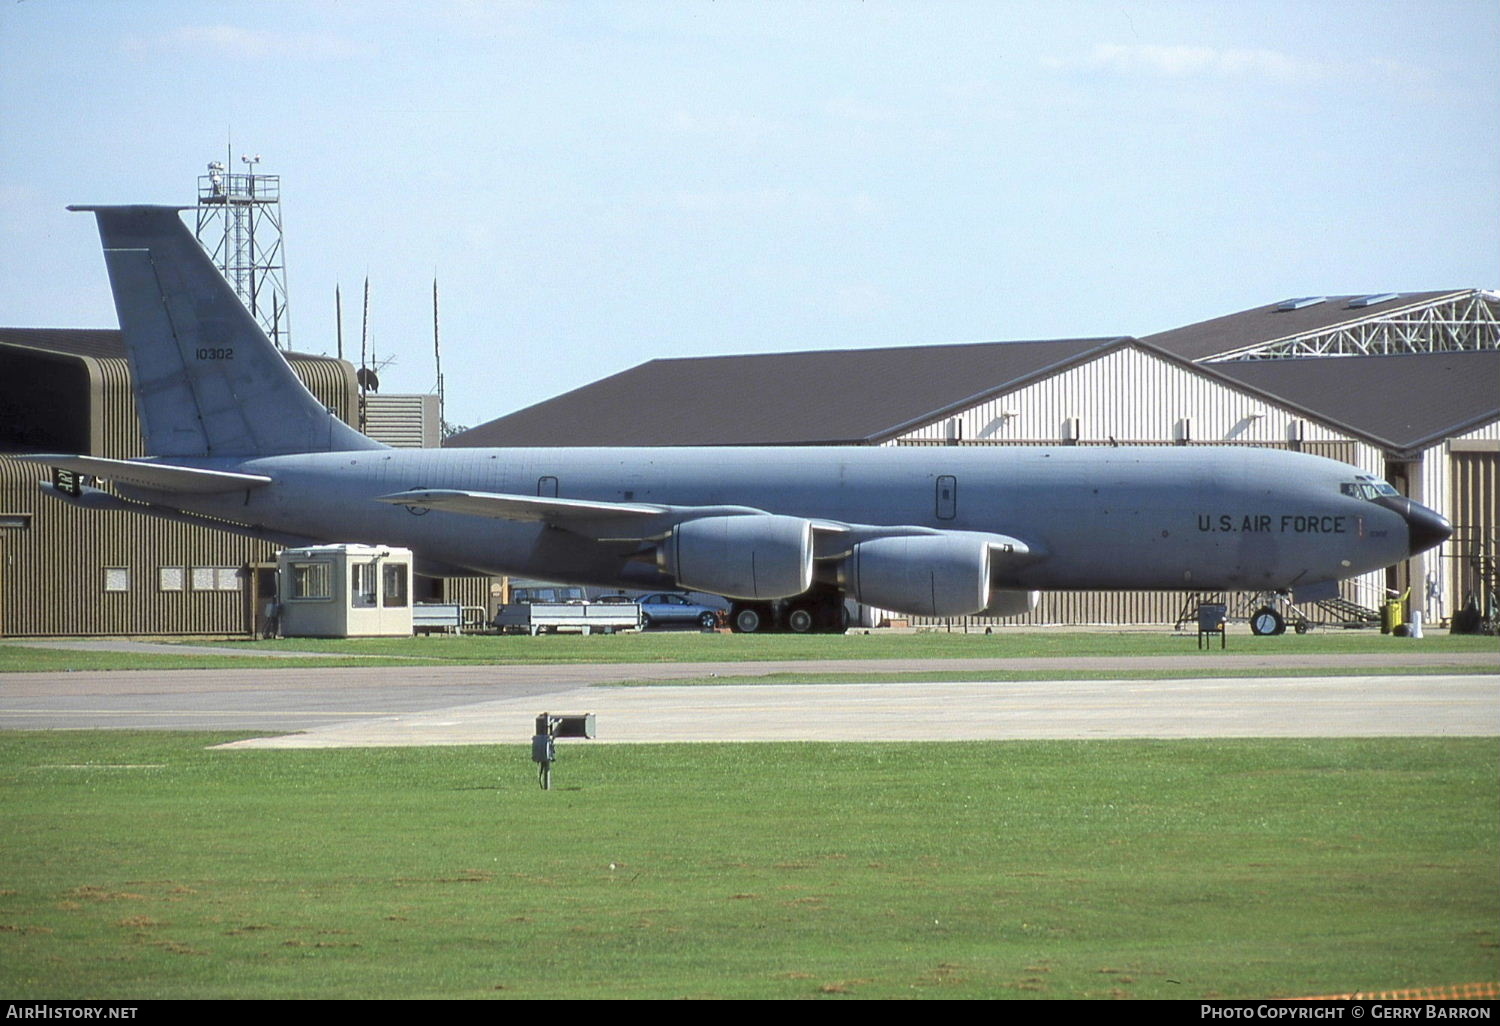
{"x": 665, "y": 608}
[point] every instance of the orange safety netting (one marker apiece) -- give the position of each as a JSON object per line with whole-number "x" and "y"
{"x": 1452, "y": 992}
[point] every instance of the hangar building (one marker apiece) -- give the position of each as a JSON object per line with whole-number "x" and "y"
{"x": 1406, "y": 387}
{"x": 69, "y": 571}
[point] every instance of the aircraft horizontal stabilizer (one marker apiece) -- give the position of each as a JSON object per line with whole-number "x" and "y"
{"x": 158, "y": 477}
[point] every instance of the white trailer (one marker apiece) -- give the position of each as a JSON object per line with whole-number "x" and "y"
{"x": 585, "y": 617}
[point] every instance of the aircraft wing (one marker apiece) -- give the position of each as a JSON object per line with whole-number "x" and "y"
{"x": 602, "y": 521}
{"x": 526, "y": 508}
{"x": 160, "y": 477}
{"x": 639, "y": 521}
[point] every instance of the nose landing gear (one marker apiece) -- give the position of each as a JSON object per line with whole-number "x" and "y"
{"x": 1265, "y": 621}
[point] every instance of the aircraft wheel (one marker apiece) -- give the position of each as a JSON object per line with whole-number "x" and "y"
{"x": 709, "y": 621}
{"x": 750, "y": 619}
{"x": 801, "y": 620}
{"x": 1266, "y": 620}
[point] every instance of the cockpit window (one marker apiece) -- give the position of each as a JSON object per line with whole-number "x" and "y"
{"x": 1367, "y": 488}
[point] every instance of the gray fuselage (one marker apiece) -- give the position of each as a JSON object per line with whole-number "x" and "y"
{"x": 1094, "y": 518}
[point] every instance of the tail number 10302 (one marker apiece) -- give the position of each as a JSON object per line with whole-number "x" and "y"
{"x": 221, "y": 353}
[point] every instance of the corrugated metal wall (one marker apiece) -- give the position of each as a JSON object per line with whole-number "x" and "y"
{"x": 403, "y": 421}
{"x": 467, "y": 591}
{"x": 1455, "y": 497}
{"x": 119, "y": 427}
{"x": 1475, "y": 504}
{"x": 69, "y": 571}
{"x": 331, "y": 380}
{"x": 1134, "y": 397}
{"x": 60, "y": 571}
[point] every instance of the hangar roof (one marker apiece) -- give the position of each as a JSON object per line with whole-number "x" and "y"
{"x": 99, "y": 343}
{"x": 827, "y": 397}
{"x": 95, "y": 342}
{"x": 1271, "y": 322}
{"x": 1403, "y": 402}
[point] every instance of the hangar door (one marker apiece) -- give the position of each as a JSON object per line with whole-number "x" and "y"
{"x": 1475, "y": 506}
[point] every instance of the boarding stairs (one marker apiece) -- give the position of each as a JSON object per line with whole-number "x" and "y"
{"x": 1342, "y": 612}
{"x": 1242, "y": 607}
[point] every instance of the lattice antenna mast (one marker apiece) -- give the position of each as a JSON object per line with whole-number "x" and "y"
{"x": 239, "y": 225}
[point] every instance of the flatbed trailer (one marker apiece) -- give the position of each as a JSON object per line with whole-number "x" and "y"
{"x": 553, "y": 617}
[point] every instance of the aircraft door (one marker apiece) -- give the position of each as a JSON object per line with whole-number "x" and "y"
{"x": 546, "y": 487}
{"x": 947, "y": 497}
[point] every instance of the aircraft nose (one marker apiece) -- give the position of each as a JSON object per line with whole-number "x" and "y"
{"x": 1425, "y": 527}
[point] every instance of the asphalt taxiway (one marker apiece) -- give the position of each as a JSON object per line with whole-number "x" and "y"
{"x": 436, "y": 705}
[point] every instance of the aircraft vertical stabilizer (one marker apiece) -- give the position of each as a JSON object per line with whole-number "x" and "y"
{"x": 207, "y": 380}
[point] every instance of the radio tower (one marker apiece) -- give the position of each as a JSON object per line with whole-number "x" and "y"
{"x": 239, "y": 225}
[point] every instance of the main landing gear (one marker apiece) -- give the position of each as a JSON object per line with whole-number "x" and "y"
{"x": 806, "y": 614}
{"x": 752, "y": 618}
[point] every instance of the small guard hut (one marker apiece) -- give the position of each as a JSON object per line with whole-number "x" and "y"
{"x": 344, "y": 591}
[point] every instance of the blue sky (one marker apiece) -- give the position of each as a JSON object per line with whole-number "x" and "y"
{"x": 597, "y": 184}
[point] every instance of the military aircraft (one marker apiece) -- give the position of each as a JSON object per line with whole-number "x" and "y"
{"x": 237, "y": 443}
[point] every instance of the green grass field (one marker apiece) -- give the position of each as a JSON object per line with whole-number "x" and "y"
{"x": 690, "y": 646}
{"x": 147, "y": 866}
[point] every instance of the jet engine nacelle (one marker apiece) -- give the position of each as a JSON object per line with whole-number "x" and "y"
{"x": 921, "y": 575}
{"x": 744, "y": 557}
{"x": 1008, "y": 602}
